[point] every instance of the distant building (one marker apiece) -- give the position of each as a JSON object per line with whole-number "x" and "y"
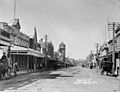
{"x": 31, "y": 43}
{"x": 62, "y": 50}
{"x": 47, "y": 48}
{"x": 42, "y": 44}
{"x": 56, "y": 55}
{"x": 50, "y": 49}
{"x": 38, "y": 47}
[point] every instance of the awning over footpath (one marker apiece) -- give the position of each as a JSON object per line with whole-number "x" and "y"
{"x": 18, "y": 50}
{"x": 35, "y": 53}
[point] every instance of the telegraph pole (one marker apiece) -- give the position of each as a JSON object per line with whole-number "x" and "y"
{"x": 97, "y": 58}
{"x": 97, "y": 50}
{"x": 14, "y": 9}
{"x": 113, "y": 54}
{"x": 46, "y": 51}
{"x": 111, "y": 27}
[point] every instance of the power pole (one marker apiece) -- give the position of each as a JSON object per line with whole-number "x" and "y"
{"x": 111, "y": 27}
{"x": 46, "y": 51}
{"x": 14, "y": 9}
{"x": 97, "y": 49}
{"x": 97, "y": 56}
{"x": 113, "y": 54}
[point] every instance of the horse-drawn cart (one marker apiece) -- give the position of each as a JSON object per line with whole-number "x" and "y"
{"x": 106, "y": 66}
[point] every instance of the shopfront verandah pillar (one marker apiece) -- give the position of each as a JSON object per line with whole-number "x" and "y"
{"x": 27, "y": 63}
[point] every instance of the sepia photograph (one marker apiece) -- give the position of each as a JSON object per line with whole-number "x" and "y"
{"x": 59, "y": 45}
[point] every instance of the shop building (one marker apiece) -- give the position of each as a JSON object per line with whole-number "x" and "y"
{"x": 21, "y": 51}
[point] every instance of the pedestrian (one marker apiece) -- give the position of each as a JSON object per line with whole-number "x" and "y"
{"x": 40, "y": 67}
{"x": 15, "y": 68}
{"x": 91, "y": 65}
{"x": 3, "y": 58}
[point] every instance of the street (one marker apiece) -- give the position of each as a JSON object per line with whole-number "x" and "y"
{"x": 74, "y": 79}
{"x": 59, "y": 45}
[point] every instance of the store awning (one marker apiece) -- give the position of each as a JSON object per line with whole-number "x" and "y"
{"x": 18, "y": 48}
{"x": 35, "y": 53}
{"x": 25, "y": 51}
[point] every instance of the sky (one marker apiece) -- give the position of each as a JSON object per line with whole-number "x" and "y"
{"x": 80, "y": 24}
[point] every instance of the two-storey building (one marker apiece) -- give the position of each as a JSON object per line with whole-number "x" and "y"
{"x": 21, "y": 52}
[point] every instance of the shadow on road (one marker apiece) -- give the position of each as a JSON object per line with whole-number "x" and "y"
{"x": 21, "y": 81}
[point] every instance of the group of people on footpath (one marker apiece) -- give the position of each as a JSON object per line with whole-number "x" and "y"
{"x": 6, "y": 67}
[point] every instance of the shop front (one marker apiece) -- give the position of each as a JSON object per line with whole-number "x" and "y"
{"x": 26, "y": 58}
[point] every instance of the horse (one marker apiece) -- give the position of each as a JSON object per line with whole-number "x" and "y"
{"x": 5, "y": 68}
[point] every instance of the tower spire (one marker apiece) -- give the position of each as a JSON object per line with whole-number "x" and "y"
{"x": 35, "y": 38}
